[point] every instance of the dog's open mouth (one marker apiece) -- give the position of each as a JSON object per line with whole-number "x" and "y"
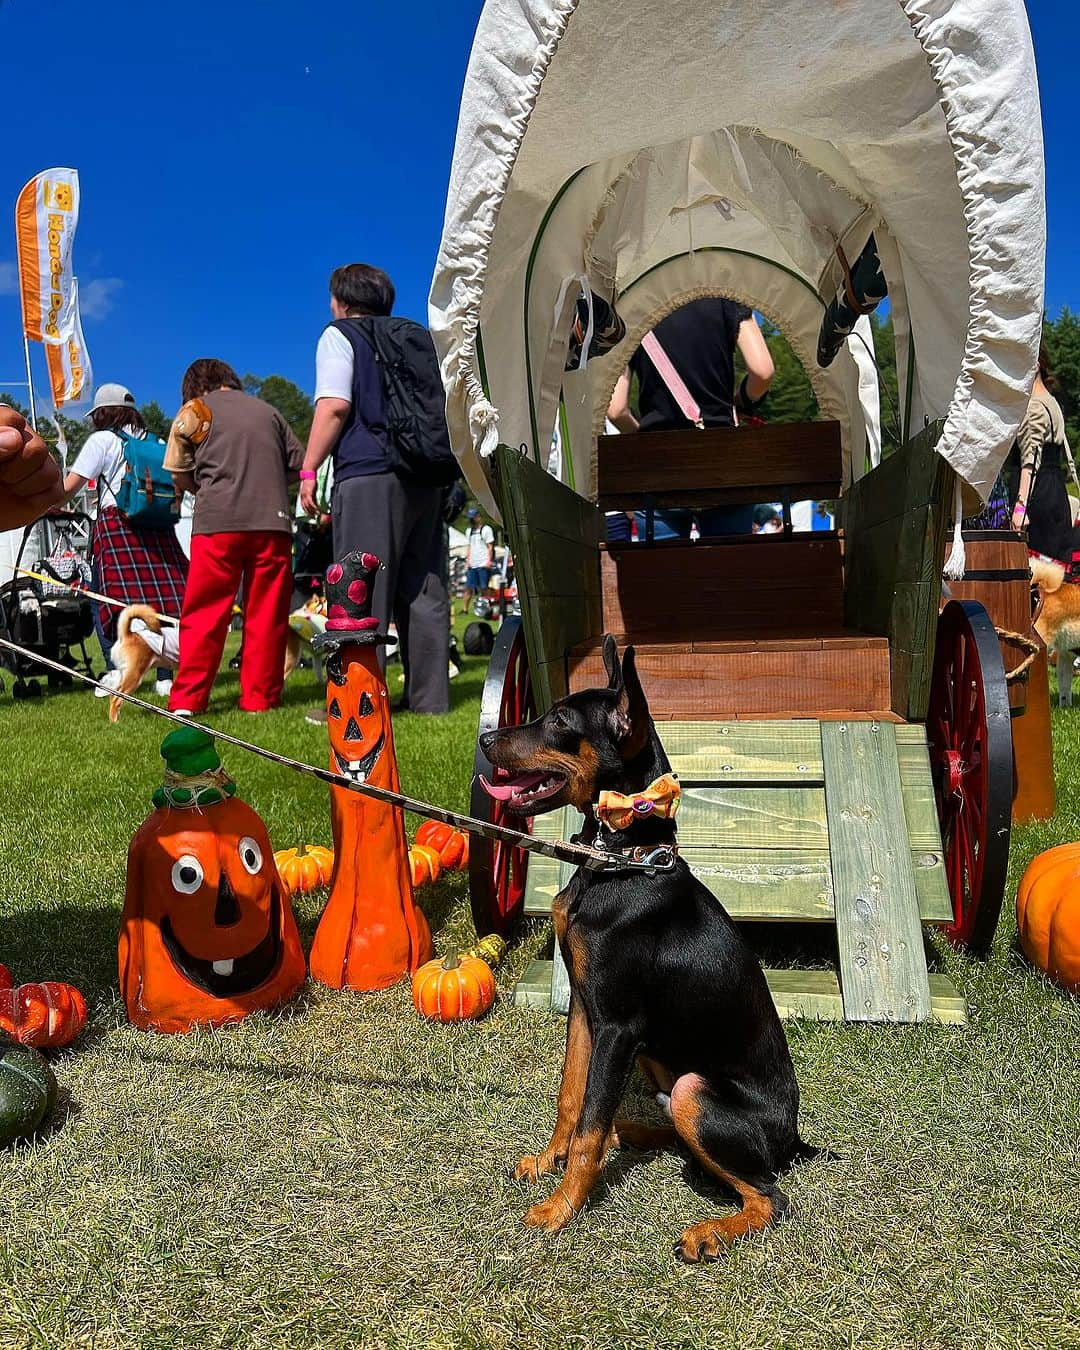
{"x": 358, "y": 769}
{"x": 522, "y": 791}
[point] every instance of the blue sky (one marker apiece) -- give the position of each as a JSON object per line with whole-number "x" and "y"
{"x": 232, "y": 153}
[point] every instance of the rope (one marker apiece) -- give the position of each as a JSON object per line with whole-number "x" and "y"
{"x": 956, "y": 566}
{"x": 1027, "y": 644}
{"x": 595, "y": 860}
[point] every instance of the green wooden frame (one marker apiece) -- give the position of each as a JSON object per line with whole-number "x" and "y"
{"x": 895, "y": 522}
{"x": 555, "y": 538}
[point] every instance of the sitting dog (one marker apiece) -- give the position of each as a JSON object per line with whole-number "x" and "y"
{"x": 658, "y": 971}
{"x": 142, "y": 641}
{"x": 1057, "y": 620}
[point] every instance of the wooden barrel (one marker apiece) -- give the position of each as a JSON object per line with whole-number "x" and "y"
{"x": 997, "y": 576}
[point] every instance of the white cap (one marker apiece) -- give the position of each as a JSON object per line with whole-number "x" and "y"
{"x": 112, "y": 396}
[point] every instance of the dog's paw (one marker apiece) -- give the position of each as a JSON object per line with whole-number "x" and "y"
{"x": 706, "y": 1241}
{"x": 551, "y": 1214}
{"x": 533, "y": 1166}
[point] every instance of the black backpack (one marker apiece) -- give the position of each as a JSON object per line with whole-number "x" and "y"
{"x": 417, "y": 439}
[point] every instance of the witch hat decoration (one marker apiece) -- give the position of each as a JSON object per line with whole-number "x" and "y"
{"x": 350, "y": 584}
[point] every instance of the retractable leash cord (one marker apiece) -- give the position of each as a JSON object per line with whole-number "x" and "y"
{"x": 661, "y": 859}
{"x": 83, "y": 591}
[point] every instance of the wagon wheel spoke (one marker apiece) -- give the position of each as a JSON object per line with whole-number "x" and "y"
{"x": 969, "y": 737}
{"x": 498, "y": 871}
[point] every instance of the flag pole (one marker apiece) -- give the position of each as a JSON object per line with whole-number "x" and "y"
{"x": 30, "y": 381}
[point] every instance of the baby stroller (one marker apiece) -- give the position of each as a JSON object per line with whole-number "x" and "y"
{"x": 46, "y": 616}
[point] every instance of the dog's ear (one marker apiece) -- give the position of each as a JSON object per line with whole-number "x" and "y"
{"x": 611, "y": 663}
{"x": 631, "y": 715}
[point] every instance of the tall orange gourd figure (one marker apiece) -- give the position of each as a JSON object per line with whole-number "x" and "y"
{"x": 371, "y": 932}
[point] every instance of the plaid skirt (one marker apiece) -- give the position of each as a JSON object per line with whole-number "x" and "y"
{"x": 136, "y": 567}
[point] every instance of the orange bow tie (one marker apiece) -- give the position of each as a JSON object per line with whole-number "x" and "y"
{"x": 660, "y": 798}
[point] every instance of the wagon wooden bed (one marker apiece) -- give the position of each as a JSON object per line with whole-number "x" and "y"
{"x": 845, "y": 756}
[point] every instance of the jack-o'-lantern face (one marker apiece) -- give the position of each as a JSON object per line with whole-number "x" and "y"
{"x": 358, "y": 717}
{"x": 208, "y": 934}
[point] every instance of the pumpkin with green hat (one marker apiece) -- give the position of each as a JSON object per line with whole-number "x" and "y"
{"x": 207, "y": 933}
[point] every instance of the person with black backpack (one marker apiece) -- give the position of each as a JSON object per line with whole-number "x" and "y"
{"x": 136, "y": 556}
{"x": 380, "y": 412}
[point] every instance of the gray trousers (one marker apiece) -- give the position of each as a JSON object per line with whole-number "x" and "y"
{"x": 402, "y": 523}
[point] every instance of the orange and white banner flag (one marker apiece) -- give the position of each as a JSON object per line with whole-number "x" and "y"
{"x": 69, "y": 361}
{"x": 46, "y": 215}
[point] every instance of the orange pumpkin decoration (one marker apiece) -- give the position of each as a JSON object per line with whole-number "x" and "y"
{"x": 456, "y": 989}
{"x": 1048, "y": 914}
{"x": 371, "y": 933}
{"x": 303, "y": 869}
{"x": 451, "y": 845}
{"x": 207, "y": 933}
{"x": 42, "y": 1015}
{"x": 423, "y": 865}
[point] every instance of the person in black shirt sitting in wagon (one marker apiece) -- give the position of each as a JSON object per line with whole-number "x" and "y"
{"x": 698, "y": 343}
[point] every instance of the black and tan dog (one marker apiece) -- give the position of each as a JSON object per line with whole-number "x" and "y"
{"x": 658, "y": 972}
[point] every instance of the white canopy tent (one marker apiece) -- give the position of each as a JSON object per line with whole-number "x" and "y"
{"x": 654, "y": 152}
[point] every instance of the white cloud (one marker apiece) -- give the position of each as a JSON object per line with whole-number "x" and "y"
{"x": 96, "y": 297}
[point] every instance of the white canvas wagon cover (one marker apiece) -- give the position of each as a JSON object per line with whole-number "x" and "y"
{"x": 653, "y": 152}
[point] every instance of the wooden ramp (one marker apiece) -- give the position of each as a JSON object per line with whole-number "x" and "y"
{"x": 803, "y": 821}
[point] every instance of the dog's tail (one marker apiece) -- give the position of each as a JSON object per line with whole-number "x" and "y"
{"x": 1048, "y": 576}
{"x": 144, "y": 612}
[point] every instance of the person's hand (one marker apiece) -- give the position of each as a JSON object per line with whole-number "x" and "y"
{"x": 307, "y": 496}
{"x": 1019, "y": 517}
{"x": 30, "y": 479}
{"x": 325, "y": 522}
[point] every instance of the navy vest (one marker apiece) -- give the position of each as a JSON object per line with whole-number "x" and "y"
{"x": 361, "y": 449}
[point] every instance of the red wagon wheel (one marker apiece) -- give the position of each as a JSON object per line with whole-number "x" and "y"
{"x": 969, "y": 733}
{"x": 497, "y": 870}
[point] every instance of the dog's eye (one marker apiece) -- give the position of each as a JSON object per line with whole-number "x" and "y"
{"x": 560, "y": 719}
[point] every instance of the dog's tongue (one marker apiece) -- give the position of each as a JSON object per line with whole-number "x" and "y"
{"x": 511, "y": 785}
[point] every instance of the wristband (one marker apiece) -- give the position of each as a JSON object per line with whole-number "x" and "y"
{"x": 308, "y": 475}
{"x": 743, "y": 401}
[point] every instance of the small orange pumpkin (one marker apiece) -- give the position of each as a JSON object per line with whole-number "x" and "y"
{"x": 1048, "y": 914}
{"x": 423, "y": 864}
{"x": 42, "y": 1015}
{"x": 451, "y": 845}
{"x": 456, "y": 989}
{"x": 305, "y": 868}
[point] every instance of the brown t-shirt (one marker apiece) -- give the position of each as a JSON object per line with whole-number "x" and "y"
{"x": 242, "y": 468}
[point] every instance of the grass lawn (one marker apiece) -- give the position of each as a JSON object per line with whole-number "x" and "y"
{"x": 336, "y": 1174}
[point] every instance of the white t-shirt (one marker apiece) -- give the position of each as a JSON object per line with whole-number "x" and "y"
{"x": 333, "y": 366}
{"x": 102, "y": 457}
{"x": 479, "y": 543}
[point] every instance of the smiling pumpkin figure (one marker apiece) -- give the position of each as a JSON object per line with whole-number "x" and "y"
{"x": 371, "y": 932}
{"x": 207, "y": 934}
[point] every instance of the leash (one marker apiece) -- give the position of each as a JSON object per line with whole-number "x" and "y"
{"x": 661, "y": 859}
{"x": 83, "y": 590}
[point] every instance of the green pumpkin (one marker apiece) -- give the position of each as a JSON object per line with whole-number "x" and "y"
{"x": 27, "y": 1092}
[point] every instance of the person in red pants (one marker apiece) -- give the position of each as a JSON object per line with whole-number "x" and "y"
{"x": 237, "y": 454}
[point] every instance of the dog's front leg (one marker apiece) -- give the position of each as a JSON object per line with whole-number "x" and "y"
{"x": 1065, "y": 672}
{"x": 571, "y": 1093}
{"x": 609, "y": 1067}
